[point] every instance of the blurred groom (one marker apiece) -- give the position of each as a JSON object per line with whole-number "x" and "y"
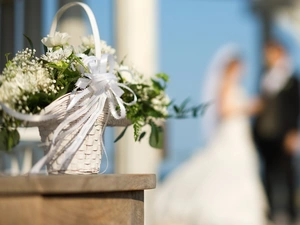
{"x": 275, "y": 127}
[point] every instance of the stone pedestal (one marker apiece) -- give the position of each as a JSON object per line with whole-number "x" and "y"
{"x": 73, "y": 199}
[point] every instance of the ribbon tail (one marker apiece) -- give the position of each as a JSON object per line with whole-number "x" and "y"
{"x": 103, "y": 145}
{"x": 75, "y": 127}
{"x": 77, "y": 98}
{"x": 71, "y": 150}
{"x": 27, "y": 117}
{"x": 43, "y": 161}
{"x": 134, "y": 96}
{"x": 113, "y": 110}
{"x": 73, "y": 117}
{"x": 39, "y": 165}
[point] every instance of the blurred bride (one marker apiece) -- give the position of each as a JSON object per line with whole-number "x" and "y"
{"x": 219, "y": 185}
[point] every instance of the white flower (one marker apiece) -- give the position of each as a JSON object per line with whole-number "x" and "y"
{"x": 58, "y": 55}
{"x": 106, "y": 49}
{"x": 88, "y": 41}
{"x": 125, "y": 73}
{"x": 59, "y": 39}
{"x": 161, "y": 103}
{"x": 130, "y": 74}
{"x": 23, "y": 76}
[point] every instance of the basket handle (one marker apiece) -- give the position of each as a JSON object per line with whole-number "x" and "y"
{"x": 92, "y": 20}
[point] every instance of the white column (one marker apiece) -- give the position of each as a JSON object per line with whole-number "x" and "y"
{"x": 136, "y": 38}
{"x": 73, "y": 23}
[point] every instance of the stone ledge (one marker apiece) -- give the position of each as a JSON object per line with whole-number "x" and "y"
{"x": 71, "y": 184}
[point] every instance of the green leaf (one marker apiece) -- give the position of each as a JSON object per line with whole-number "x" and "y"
{"x": 120, "y": 77}
{"x": 7, "y": 60}
{"x": 121, "y": 135}
{"x": 61, "y": 65}
{"x": 200, "y": 109}
{"x": 137, "y": 126}
{"x": 163, "y": 76}
{"x": 45, "y": 48}
{"x": 62, "y": 92}
{"x": 87, "y": 52}
{"x": 183, "y": 111}
{"x": 40, "y": 99}
{"x": 142, "y": 135}
{"x": 8, "y": 139}
{"x": 196, "y": 111}
{"x": 3, "y": 140}
{"x": 156, "y": 85}
{"x": 176, "y": 109}
{"x": 156, "y": 136}
{"x": 183, "y": 104}
{"x": 123, "y": 60}
{"x": 154, "y": 131}
{"x": 29, "y": 41}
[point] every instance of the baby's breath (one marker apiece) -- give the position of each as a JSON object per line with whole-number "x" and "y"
{"x": 23, "y": 74}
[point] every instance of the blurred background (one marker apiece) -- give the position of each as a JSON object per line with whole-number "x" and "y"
{"x": 177, "y": 37}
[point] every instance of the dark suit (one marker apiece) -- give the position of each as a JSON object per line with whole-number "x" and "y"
{"x": 279, "y": 116}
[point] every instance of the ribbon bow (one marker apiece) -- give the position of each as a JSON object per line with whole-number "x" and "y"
{"x": 97, "y": 86}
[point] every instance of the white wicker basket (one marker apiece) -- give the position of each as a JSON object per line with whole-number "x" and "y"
{"x": 87, "y": 158}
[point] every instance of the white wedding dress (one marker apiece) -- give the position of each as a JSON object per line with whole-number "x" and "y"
{"x": 219, "y": 185}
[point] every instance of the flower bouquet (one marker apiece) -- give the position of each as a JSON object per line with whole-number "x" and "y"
{"x": 72, "y": 94}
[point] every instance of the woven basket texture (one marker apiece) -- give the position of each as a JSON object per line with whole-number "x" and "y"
{"x": 87, "y": 159}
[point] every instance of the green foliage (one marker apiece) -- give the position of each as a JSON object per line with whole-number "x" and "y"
{"x": 142, "y": 135}
{"x": 146, "y": 112}
{"x": 121, "y": 134}
{"x": 29, "y": 41}
{"x": 7, "y": 60}
{"x": 156, "y": 135}
{"x": 45, "y": 48}
{"x": 64, "y": 75}
{"x": 184, "y": 111}
{"x": 163, "y": 76}
{"x": 8, "y": 139}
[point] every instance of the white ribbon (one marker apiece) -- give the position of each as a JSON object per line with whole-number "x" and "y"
{"x": 33, "y": 118}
